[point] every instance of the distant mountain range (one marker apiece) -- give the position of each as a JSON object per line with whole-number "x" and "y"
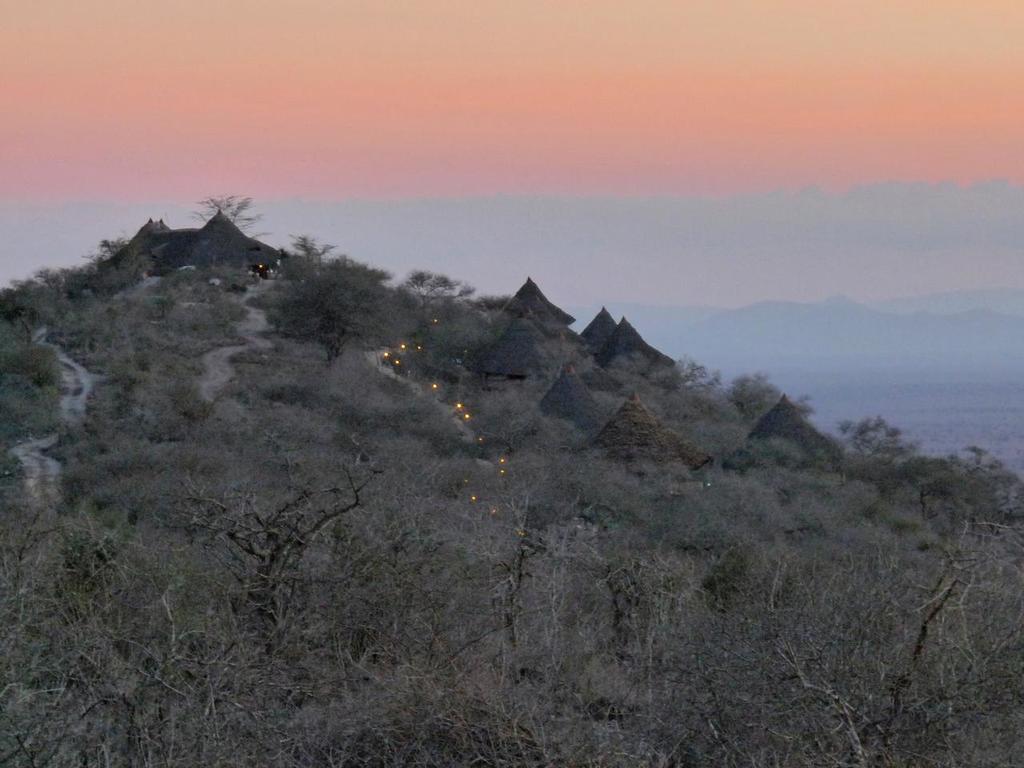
{"x": 955, "y": 332}
{"x": 1004, "y": 301}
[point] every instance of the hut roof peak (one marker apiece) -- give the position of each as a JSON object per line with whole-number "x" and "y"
{"x": 786, "y": 421}
{"x": 530, "y": 301}
{"x": 598, "y": 330}
{"x": 626, "y": 341}
{"x": 635, "y": 433}
{"x": 568, "y": 398}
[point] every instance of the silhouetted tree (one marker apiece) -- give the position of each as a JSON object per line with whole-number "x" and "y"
{"x": 336, "y": 303}
{"x": 237, "y": 208}
{"x": 432, "y": 287}
{"x": 308, "y": 248}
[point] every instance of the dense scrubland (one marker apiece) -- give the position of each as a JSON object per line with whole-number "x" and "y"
{"x": 329, "y": 564}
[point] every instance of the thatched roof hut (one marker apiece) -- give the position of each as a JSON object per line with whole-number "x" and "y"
{"x": 152, "y": 227}
{"x": 635, "y": 434}
{"x": 531, "y": 302}
{"x": 217, "y": 242}
{"x": 521, "y": 351}
{"x": 784, "y": 421}
{"x": 626, "y": 343}
{"x": 599, "y": 330}
{"x": 569, "y": 399}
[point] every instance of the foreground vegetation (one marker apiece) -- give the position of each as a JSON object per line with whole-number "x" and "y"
{"x": 321, "y": 567}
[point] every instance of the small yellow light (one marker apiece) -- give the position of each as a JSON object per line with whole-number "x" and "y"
{"x": 472, "y": 498}
{"x": 419, "y": 347}
{"x": 465, "y": 481}
{"x": 387, "y": 355}
{"x": 402, "y": 346}
{"x": 501, "y": 471}
{"x": 502, "y": 460}
{"x": 458, "y": 406}
{"x": 397, "y": 361}
{"x": 479, "y": 439}
{"x": 436, "y": 321}
{"x": 465, "y": 416}
{"x": 433, "y": 386}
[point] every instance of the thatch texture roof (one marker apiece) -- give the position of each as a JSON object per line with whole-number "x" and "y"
{"x": 522, "y": 350}
{"x": 531, "y": 302}
{"x": 569, "y": 399}
{"x": 784, "y": 421}
{"x": 599, "y": 330}
{"x": 218, "y": 241}
{"x": 635, "y": 434}
{"x": 625, "y": 343}
{"x": 598, "y": 379}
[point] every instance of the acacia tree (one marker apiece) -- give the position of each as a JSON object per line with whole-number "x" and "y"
{"x": 238, "y": 208}
{"x": 310, "y": 250}
{"x": 336, "y": 303}
{"x": 752, "y": 395}
{"x": 433, "y": 287}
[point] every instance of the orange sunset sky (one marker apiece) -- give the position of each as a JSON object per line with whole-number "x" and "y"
{"x": 138, "y": 100}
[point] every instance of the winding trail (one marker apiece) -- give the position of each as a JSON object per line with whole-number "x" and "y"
{"x": 42, "y": 472}
{"x": 217, "y": 368}
{"x": 376, "y": 359}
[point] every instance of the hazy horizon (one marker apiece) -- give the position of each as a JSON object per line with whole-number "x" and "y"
{"x": 871, "y": 243}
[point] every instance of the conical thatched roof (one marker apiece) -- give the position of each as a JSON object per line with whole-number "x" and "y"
{"x": 784, "y": 421}
{"x": 531, "y": 302}
{"x": 570, "y": 399}
{"x": 626, "y": 342}
{"x": 598, "y": 379}
{"x": 218, "y": 241}
{"x": 634, "y": 433}
{"x": 152, "y": 227}
{"x": 522, "y": 350}
{"x": 599, "y": 330}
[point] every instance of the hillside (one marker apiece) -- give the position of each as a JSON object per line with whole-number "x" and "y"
{"x": 335, "y": 518}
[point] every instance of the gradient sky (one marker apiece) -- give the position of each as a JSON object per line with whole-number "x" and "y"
{"x": 140, "y": 100}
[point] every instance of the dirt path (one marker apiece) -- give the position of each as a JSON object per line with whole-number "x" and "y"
{"x": 42, "y": 472}
{"x": 76, "y": 386}
{"x": 376, "y": 359}
{"x": 217, "y": 368}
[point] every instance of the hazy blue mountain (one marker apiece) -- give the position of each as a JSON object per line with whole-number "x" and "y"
{"x": 660, "y": 325}
{"x": 1006, "y": 301}
{"x": 834, "y": 335}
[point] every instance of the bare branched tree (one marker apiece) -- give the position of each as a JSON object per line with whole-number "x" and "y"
{"x": 238, "y": 208}
{"x": 264, "y": 544}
